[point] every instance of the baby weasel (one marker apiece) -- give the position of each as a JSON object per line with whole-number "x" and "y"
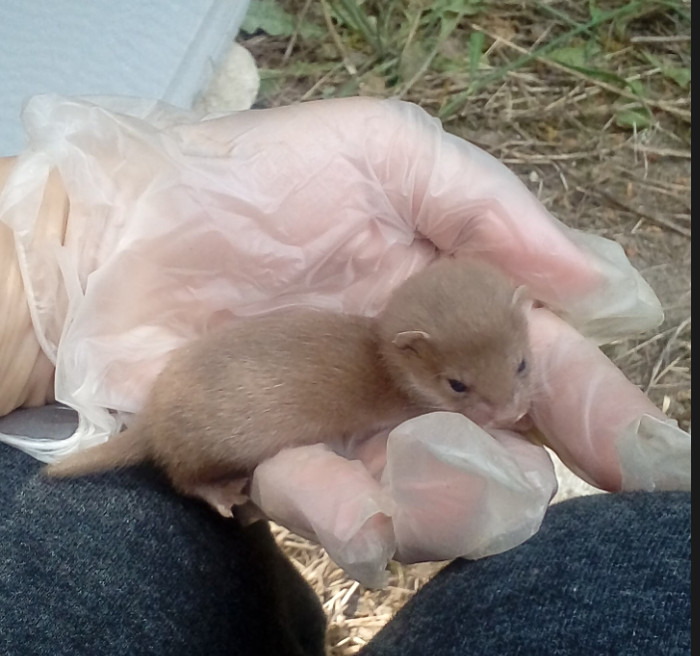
{"x": 452, "y": 337}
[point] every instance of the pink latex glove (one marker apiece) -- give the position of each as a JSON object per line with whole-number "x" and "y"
{"x": 179, "y": 224}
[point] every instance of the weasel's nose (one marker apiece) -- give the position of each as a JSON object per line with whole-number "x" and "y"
{"x": 516, "y": 419}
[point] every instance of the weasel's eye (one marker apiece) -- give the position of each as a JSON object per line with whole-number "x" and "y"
{"x": 457, "y": 385}
{"x": 522, "y": 366}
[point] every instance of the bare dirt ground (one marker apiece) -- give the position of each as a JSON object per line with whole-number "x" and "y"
{"x": 589, "y": 103}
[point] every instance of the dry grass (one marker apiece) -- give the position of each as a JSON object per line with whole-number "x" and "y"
{"x": 589, "y": 103}
{"x": 354, "y": 612}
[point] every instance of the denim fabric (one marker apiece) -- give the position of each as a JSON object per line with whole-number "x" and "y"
{"x": 118, "y": 564}
{"x": 607, "y": 575}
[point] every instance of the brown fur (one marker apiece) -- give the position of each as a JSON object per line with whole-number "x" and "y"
{"x": 233, "y": 398}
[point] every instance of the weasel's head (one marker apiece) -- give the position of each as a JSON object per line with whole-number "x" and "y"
{"x": 455, "y": 338}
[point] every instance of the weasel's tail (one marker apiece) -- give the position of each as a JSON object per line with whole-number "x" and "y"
{"x": 126, "y": 448}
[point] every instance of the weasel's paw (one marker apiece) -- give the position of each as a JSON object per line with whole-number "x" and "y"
{"x": 221, "y": 495}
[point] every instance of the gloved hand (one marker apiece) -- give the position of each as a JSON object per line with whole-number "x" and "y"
{"x": 179, "y": 224}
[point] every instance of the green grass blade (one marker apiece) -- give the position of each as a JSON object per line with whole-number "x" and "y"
{"x": 356, "y": 18}
{"x": 476, "y": 50}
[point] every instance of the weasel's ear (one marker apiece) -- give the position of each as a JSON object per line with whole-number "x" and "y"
{"x": 413, "y": 340}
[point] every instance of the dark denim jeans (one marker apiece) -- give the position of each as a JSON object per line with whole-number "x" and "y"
{"x": 117, "y": 564}
{"x": 606, "y": 575}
